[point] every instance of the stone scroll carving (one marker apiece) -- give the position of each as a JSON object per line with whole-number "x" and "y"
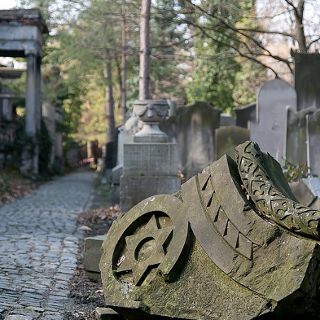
{"x": 233, "y": 243}
{"x": 268, "y": 199}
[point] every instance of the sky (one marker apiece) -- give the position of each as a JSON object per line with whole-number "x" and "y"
{"x": 7, "y": 4}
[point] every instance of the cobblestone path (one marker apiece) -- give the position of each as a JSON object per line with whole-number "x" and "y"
{"x": 39, "y": 243}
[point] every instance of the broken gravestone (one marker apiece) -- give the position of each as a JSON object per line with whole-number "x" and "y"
{"x": 233, "y": 243}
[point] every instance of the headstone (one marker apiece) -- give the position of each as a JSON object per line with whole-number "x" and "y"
{"x": 227, "y": 120}
{"x": 244, "y": 114}
{"x": 296, "y": 146}
{"x": 307, "y": 84}
{"x": 307, "y": 191}
{"x": 150, "y": 163}
{"x": 193, "y": 129}
{"x": 227, "y": 138}
{"x": 274, "y": 100}
{"x": 313, "y": 142}
{"x": 232, "y": 244}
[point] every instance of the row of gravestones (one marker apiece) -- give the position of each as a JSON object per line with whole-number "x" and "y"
{"x": 274, "y": 122}
{"x": 202, "y": 134}
{"x": 283, "y": 123}
{"x": 288, "y": 131}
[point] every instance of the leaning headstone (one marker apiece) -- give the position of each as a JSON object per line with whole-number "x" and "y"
{"x": 313, "y": 142}
{"x": 307, "y": 84}
{"x": 227, "y": 138}
{"x": 232, "y": 244}
{"x": 274, "y": 100}
{"x": 150, "y": 163}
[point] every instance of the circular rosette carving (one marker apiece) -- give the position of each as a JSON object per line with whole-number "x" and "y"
{"x": 147, "y": 240}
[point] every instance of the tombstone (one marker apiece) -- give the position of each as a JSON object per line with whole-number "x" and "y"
{"x": 150, "y": 164}
{"x": 245, "y": 114}
{"x": 296, "y": 146}
{"x": 307, "y": 84}
{"x": 274, "y": 100}
{"x": 227, "y": 120}
{"x": 193, "y": 129}
{"x": 227, "y": 138}
{"x": 313, "y": 142}
{"x": 207, "y": 252}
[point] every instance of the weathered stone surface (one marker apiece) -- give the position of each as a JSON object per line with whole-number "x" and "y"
{"x": 107, "y": 314}
{"x": 92, "y": 253}
{"x": 135, "y": 188}
{"x": 246, "y": 114}
{"x": 296, "y": 146}
{"x": 307, "y": 69}
{"x": 274, "y": 100}
{"x": 151, "y": 112}
{"x": 193, "y": 129}
{"x": 150, "y": 163}
{"x": 313, "y": 138}
{"x": 150, "y": 159}
{"x": 227, "y": 120}
{"x": 227, "y": 138}
{"x": 233, "y": 244}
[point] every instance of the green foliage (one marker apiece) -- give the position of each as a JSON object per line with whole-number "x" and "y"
{"x": 295, "y": 172}
{"x": 213, "y": 78}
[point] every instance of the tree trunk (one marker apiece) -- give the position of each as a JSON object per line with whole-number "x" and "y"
{"x": 144, "y": 74}
{"x": 124, "y": 63}
{"x": 299, "y": 28}
{"x": 109, "y": 101}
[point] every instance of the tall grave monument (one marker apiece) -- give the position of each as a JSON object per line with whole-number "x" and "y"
{"x": 150, "y": 162}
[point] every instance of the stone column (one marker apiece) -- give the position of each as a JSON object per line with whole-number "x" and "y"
{"x": 31, "y": 152}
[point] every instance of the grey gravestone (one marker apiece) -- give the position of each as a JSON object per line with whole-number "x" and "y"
{"x": 307, "y": 84}
{"x": 274, "y": 100}
{"x": 244, "y": 114}
{"x": 296, "y": 146}
{"x": 313, "y": 140}
{"x": 227, "y": 138}
{"x": 226, "y": 120}
{"x": 193, "y": 129}
{"x": 208, "y": 253}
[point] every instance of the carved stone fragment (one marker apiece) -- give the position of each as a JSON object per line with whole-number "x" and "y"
{"x": 232, "y": 244}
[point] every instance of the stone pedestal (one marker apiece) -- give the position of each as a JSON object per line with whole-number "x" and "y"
{"x": 148, "y": 169}
{"x": 150, "y": 162}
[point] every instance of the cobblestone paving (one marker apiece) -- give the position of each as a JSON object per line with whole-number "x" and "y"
{"x": 39, "y": 243}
